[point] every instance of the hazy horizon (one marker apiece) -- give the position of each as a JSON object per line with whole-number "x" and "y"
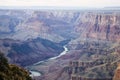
{"x": 59, "y": 8}
{"x": 61, "y": 3}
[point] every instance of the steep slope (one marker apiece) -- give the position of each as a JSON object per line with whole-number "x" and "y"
{"x": 30, "y": 51}
{"x": 94, "y": 35}
{"x": 117, "y": 73}
{"x": 101, "y": 26}
{"x": 26, "y": 24}
{"x": 87, "y": 62}
{"x": 12, "y": 72}
{"x": 93, "y": 54}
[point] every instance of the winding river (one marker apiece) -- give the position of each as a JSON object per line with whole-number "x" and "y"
{"x": 35, "y": 73}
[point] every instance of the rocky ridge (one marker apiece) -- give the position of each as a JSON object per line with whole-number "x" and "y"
{"x": 30, "y": 51}
{"x": 94, "y": 36}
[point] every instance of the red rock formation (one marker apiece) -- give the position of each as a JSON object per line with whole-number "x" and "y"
{"x": 95, "y": 25}
{"x": 117, "y": 73}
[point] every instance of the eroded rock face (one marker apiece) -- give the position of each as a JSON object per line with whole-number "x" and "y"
{"x": 103, "y": 25}
{"x": 93, "y": 34}
{"x": 30, "y": 51}
{"x": 12, "y": 72}
{"x": 100, "y": 26}
{"x": 117, "y": 73}
{"x": 30, "y": 24}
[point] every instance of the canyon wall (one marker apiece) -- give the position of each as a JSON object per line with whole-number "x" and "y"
{"x": 28, "y": 52}
{"x": 101, "y": 26}
{"x": 34, "y": 35}
{"x": 117, "y": 73}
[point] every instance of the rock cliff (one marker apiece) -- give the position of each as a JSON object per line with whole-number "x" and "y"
{"x": 12, "y": 72}
{"x": 101, "y": 26}
{"x": 94, "y": 35}
{"x": 117, "y": 73}
{"x": 30, "y": 51}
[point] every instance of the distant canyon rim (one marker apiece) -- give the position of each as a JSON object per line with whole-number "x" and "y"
{"x": 92, "y": 38}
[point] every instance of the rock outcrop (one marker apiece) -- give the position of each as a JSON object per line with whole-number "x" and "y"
{"x": 101, "y": 26}
{"x": 12, "y": 72}
{"x": 94, "y": 35}
{"x": 117, "y": 73}
{"x": 28, "y": 52}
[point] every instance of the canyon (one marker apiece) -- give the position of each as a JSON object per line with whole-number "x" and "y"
{"x": 92, "y": 38}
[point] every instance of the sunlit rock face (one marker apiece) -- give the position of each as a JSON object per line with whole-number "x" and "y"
{"x": 35, "y": 35}
{"x": 117, "y": 73}
{"x": 97, "y": 26}
{"x": 103, "y": 26}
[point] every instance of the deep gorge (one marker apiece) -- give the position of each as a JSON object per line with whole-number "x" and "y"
{"x": 29, "y": 36}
